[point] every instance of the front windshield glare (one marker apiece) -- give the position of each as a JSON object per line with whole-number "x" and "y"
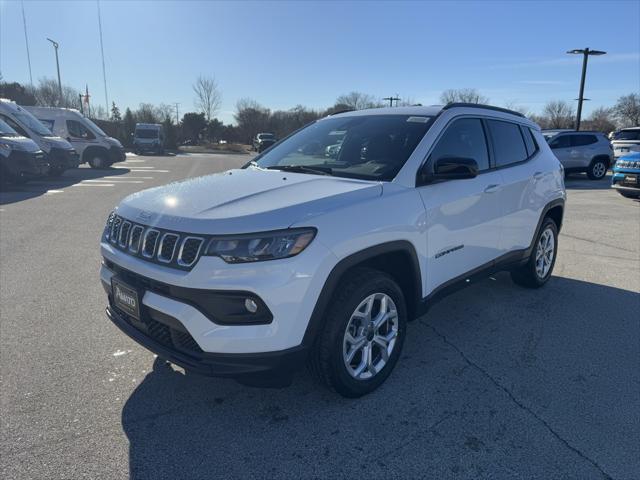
{"x": 96, "y": 129}
{"x": 33, "y": 124}
{"x": 371, "y": 147}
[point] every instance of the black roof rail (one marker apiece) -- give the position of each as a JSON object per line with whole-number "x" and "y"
{"x": 480, "y": 105}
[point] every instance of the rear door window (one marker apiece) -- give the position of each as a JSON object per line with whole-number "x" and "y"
{"x": 582, "y": 140}
{"x": 508, "y": 144}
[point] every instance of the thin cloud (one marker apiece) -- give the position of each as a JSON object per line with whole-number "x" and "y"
{"x": 542, "y": 82}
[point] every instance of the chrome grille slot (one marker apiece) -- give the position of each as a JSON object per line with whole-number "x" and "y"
{"x": 110, "y": 219}
{"x": 149, "y": 243}
{"x": 124, "y": 233}
{"x": 189, "y": 251}
{"x": 167, "y": 247}
{"x": 134, "y": 239}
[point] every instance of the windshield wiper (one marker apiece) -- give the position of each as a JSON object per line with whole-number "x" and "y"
{"x": 312, "y": 169}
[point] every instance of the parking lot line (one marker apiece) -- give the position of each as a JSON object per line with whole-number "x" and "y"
{"x": 145, "y": 167}
{"x": 132, "y": 178}
{"x": 112, "y": 181}
{"x": 149, "y": 171}
{"x": 94, "y": 185}
{"x": 49, "y": 192}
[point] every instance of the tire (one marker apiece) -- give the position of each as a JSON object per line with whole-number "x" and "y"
{"x": 597, "y": 170}
{"x": 98, "y": 161}
{"x": 361, "y": 289}
{"x": 533, "y": 274}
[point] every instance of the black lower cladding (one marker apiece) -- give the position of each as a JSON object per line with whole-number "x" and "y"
{"x": 177, "y": 346}
{"x": 117, "y": 154}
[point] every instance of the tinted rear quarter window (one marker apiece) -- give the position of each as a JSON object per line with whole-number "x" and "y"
{"x": 508, "y": 144}
{"x": 529, "y": 140}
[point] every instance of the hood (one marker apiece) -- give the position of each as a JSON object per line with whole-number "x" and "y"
{"x": 113, "y": 142}
{"x": 244, "y": 201}
{"x": 23, "y": 144}
{"x": 47, "y": 143}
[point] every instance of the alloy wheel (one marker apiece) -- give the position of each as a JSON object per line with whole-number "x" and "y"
{"x": 370, "y": 336}
{"x": 544, "y": 253}
{"x": 599, "y": 170}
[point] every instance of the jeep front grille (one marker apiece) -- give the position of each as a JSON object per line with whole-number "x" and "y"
{"x": 172, "y": 249}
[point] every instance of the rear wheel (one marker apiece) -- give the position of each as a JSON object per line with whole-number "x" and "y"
{"x": 597, "y": 170}
{"x": 363, "y": 334}
{"x": 537, "y": 271}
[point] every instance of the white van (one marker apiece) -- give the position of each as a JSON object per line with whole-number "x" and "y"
{"x": 93, "y": 145}
{"x": 60, "y": 153}
{"x": 148, "y": 137}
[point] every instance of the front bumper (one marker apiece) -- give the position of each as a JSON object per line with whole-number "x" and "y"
{"x": 117, "y": 154}
{"x": 26, "y": 164}
{"x": 251, "y": 367}
{"x": 620, "y": 178}
{"x": 59, "y": 158}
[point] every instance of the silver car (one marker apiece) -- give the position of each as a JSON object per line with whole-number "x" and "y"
{"x": 626, "y": 141}
{"x": 589, "y": 152}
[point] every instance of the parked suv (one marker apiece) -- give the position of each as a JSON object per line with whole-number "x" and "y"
{"x": 93, "y": 145}
{"x": 626, "y": 175}
{"x": 588, "y": 152}
{"x": 263, "y": 141}
{"x": 626, "y": 141}
{"x": 297, "y": 256}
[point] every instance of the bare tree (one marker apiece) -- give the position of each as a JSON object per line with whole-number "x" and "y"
{"x": 513, "y": 105}
{"x": 559, "y": 114}
{"x": 251, "y": 118}
{"x": 627, "y": 110}
{"x": 601, "y": 120}
{"x": 357, "y": 100}
{"x": 463, "y": 95}
{"x": 208, "y": 96}
{"x": 47, "y": 94}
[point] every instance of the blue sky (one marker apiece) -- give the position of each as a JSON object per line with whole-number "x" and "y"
{"x": 287, "y": 53}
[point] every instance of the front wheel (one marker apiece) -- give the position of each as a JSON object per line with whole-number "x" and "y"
{"x": 629, "y": 195}
{"x": 55, "y": 171}
{"x": 363, "y": 334}
{"x": 597, "y": 170}
{"x": 98, "y": 161}
{"x": 537, "y": 271}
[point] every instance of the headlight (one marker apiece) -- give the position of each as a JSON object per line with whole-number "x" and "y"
{"x": 257, "y": 247}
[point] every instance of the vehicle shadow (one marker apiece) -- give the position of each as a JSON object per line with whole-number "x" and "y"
{"x": 434, "y": 414}
{"x": 580, "y": 181}
{"x": 37, "y": 187}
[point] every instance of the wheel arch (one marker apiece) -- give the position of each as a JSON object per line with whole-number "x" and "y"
{"x": 606, "y": 158}
{"x": 397, "y": 259}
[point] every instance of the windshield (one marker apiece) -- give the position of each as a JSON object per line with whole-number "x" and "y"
{"x": 370, "y": 147}
{"x": 146, "y": 133}
{"x": 33, "y": 124}
{"x": 628, "y": 135}
{"x": 6, "y": 130}
{"x": 97, "y": 130}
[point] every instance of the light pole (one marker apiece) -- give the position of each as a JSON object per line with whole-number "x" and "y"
{"x": 55, "y": 45}
{"x": 585, "y": 57}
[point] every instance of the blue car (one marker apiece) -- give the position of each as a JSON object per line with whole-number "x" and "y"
{"x": 626, "y": 175}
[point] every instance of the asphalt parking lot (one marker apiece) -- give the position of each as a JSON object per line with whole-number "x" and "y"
{"x": 495, "y": 381}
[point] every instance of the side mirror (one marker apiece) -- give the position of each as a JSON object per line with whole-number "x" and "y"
{"x": 449, "y": 168}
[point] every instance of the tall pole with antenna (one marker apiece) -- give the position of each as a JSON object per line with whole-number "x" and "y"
{"x": 104, "y": 74}
{"x": 26, "y": 41}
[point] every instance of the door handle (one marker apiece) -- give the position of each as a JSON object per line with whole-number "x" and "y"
{"x": 538, "y": 175}
{"x": 492, "y": 188}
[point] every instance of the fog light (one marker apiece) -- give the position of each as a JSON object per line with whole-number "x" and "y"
{"x": 250, "y": 305}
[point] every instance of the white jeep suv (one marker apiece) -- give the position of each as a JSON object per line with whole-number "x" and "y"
{"x": 302, "y": 257}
